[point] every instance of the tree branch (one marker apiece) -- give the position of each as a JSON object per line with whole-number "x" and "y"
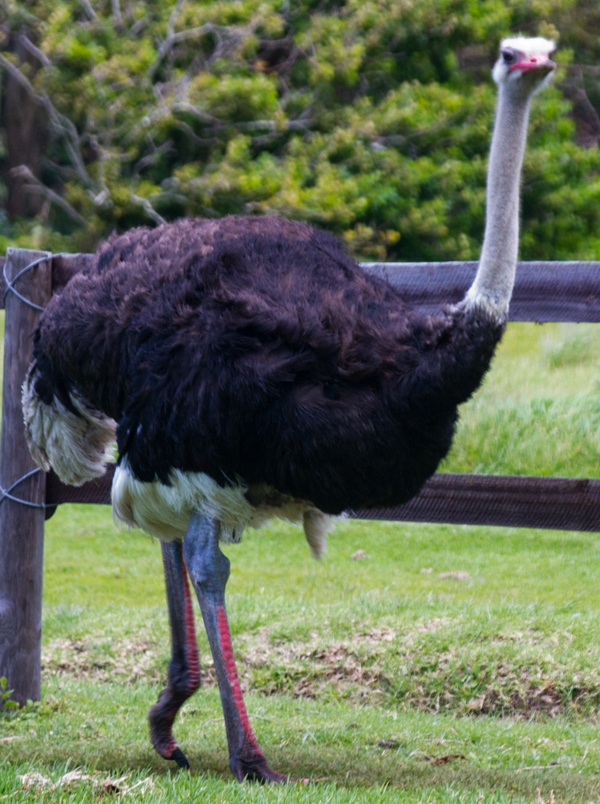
{"x": 203, "y": 142}
{"x": 18, "y": 76}
{"x": 149, "y": 159}
{"x": 166, "y": 43}
{"x": 209, "y": 27}
{"x": 116, "y": 11}
{"x": 137, "y": 26}
{"x": 89, "y": 10}
{"x": 583, "y": 68}
{"x": 182, "y": 106}
{"x": 172, "y": 38}
{"x": 58, "y": 120}
{"x": 33, "y": 184}
{"x": 275, "y": 126}
{"x": 67, "y": 128}
{"x": 35, "y": 51}
{"x": 148, "y": 208}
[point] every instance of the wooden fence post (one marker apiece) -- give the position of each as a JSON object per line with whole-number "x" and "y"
{"x": 21, "y": 527}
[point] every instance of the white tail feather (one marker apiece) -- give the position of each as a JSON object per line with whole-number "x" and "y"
{"x": 164, "y": 510}
{"x": 76, "y": 447}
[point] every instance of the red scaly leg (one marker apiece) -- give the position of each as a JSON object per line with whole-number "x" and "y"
{"x": 232, "y": 676}
{"x": 184, "y": 668}
{"x": 209, "y": 570}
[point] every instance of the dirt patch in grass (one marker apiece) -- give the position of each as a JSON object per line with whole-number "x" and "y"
{"x": 126, "y": 661}
{"x": 546, "y": 699}
{"x": 415, "y": 669}
{"x": 310, "y": 669}
{"x": 338, "y": 667}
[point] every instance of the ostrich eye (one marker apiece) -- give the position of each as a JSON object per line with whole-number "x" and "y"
{"x": 508, "y": 56}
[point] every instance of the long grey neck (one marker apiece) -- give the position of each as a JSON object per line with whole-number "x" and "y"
{"x": 493, "y": 284}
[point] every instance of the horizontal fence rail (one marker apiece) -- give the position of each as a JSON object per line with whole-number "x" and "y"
{"x": 559, "y": 503}
{"x": 544, "y": 292}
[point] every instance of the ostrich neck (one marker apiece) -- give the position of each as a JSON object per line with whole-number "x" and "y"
{"x": 493, "y": 284}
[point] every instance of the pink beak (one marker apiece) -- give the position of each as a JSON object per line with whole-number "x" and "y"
{"x": 534, "y": 63}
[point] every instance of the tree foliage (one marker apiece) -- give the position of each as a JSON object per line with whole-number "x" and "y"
{"x": 370, "y": 118}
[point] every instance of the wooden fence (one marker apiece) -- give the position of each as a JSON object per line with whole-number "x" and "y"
{"x": 544, "y": 292}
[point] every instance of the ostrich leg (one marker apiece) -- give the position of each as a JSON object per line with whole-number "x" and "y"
{"x": 184, "y": 668}
{"x": 209, "y": 571}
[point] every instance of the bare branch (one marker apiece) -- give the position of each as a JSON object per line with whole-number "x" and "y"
{"x": 101, "y": 198}
{"x": 390, "y": 139}
{"x": 589, "y": 69}
{"x": 116, "y": 11}
{"x": 89, "y": 10}
{"x": 173, "y": 17}
{"x": 67, "y": 128}
{"x": 274, "y": 126}
{"x": 203, "y": 142}
{"x": 137, "y": 26}
{"x": 18, "y": 75}
{"x": 148, "y": 208}
{"x": 259, "y": 125}
{"x": 35, "y": 51}
{"x": 172, "y": 38}
{"x": 145, "y": 161}
{"x": 33, "y": 184}
{"x": 57, "y": 120}
{"x": 167, "y": 42}
{"x": 180, "y": 106}
{"x": 192, "y": 32}
{"x": 66, "y": 171}
{"x": 171, "y": 197}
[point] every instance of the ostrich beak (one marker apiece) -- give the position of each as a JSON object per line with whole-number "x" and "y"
{"x": 535, "y": 62}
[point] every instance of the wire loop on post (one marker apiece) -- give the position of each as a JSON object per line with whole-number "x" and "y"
{"x": 10, "y": 282}
{"x": 6, "y": 495}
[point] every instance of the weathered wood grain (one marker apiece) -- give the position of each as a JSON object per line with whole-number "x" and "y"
{"x": 544, "y": 291}
{"x": 554, "y": 503}
{"x": 21, "y": 527}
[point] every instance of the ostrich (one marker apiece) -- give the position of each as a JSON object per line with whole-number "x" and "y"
{"x": 250, "y": 369}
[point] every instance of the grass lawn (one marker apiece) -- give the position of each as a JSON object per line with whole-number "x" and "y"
{"x": 441, "y": 664}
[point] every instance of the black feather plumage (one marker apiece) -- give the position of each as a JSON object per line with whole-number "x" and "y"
{"x": 257, "y": 349}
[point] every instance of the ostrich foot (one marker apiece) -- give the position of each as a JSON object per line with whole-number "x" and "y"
{"x": 255, "y": 769}
{"x": 184, "y": 668}
{"x": 208, "y": 569}
{"x": 161, "y": 719}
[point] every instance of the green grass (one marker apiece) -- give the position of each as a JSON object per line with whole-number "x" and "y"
{"x": 538, "y": 411}
{"x": 377, "y": 677}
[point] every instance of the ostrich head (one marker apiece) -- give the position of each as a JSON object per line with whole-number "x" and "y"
{"x": 523, "y": 65}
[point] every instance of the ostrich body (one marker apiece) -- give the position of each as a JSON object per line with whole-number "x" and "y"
{"x": 249, "y": 368}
